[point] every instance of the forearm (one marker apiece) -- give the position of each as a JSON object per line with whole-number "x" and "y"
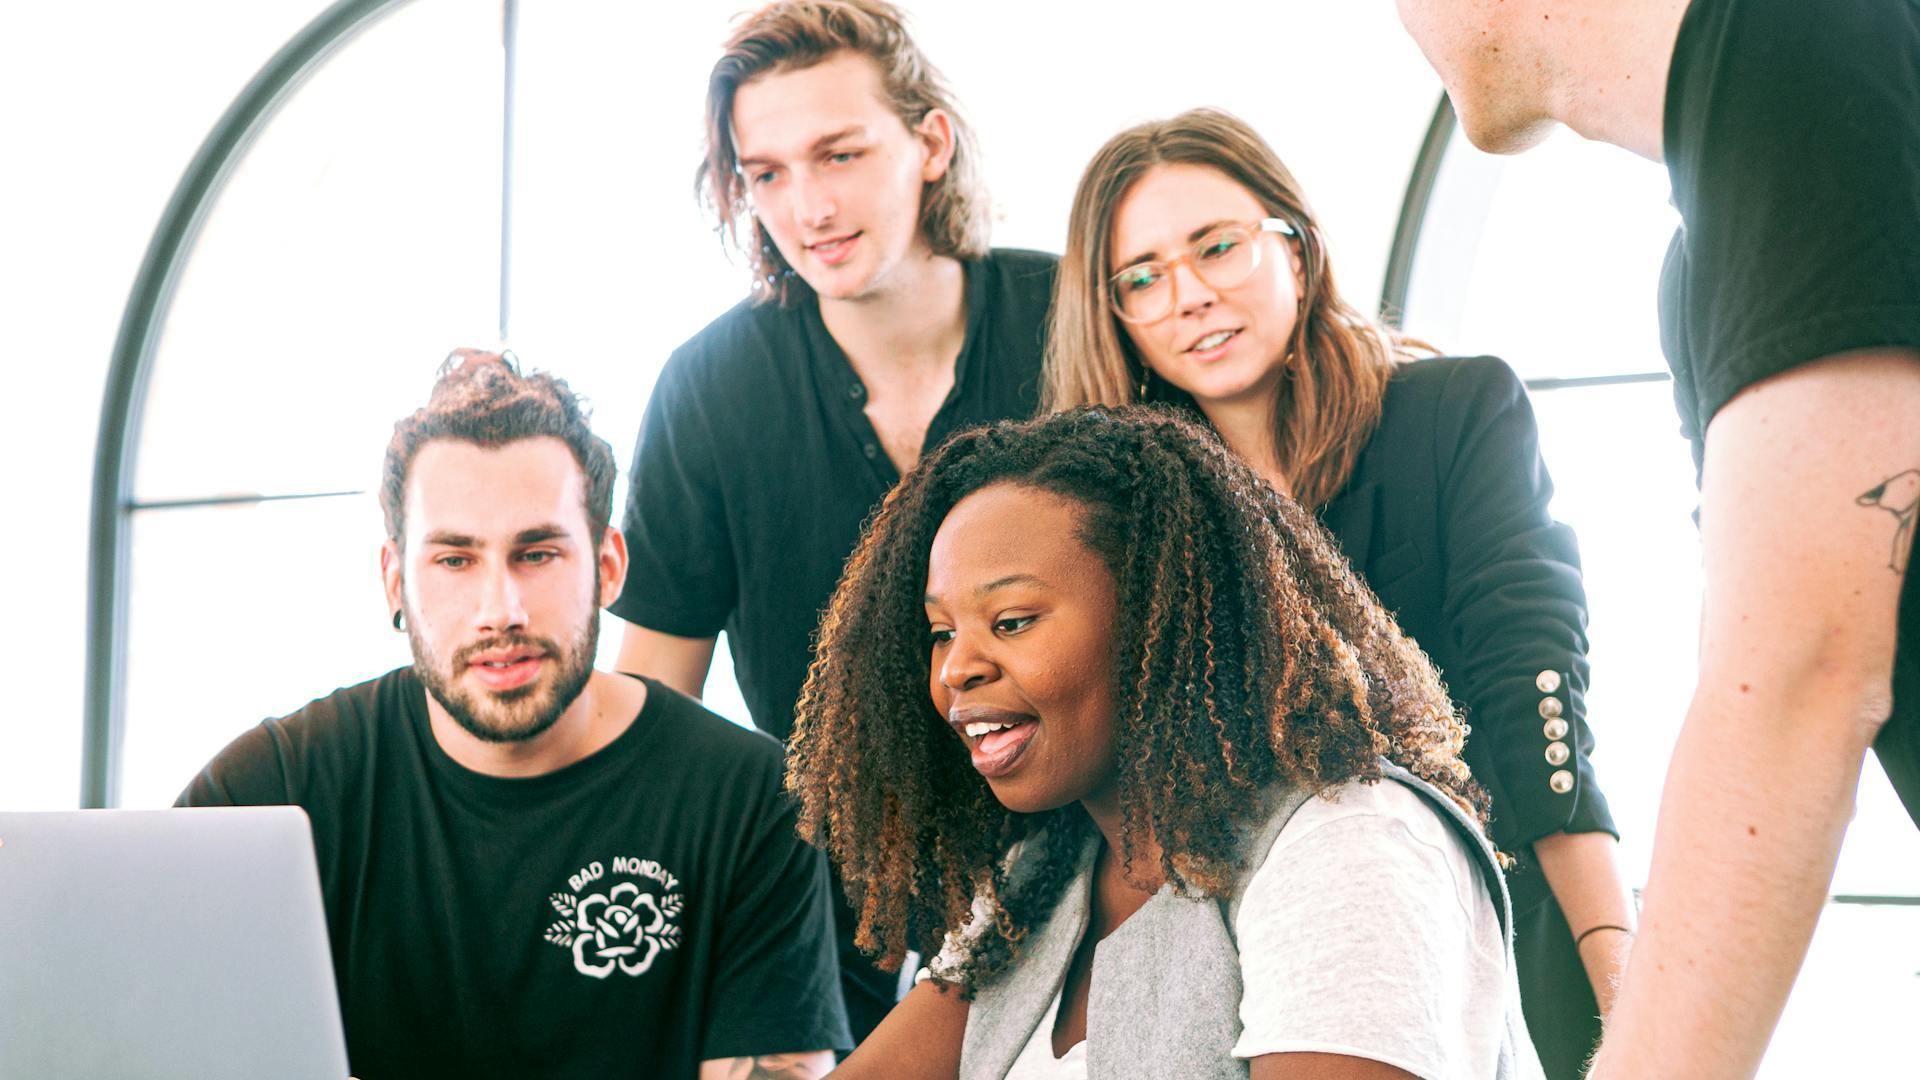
{"x": 1583, "y": 871}
{"x": 919, "y": 1040}
{"x": 681, "y": 663}
{"x": 1756, "y": 802}
{"x": 807, "y": 1066}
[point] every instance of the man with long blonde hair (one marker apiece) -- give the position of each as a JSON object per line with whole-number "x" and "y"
{"x": 878, "y": 322}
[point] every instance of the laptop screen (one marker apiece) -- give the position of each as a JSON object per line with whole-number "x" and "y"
{"x": 165, "y": 943}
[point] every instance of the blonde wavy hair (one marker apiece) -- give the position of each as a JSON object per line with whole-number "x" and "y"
{"x": 795, "y": 34}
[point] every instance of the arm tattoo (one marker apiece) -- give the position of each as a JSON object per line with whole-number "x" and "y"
{"x": 779, "y": 1067}
{"x": 1898, "y": 495}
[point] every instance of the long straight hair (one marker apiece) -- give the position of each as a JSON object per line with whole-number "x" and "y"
{"x": 795, "y": 34}
{"x": 1327, "y": 406}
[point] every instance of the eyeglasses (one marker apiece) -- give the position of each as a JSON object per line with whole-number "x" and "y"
{"x": 1222, "y": 259}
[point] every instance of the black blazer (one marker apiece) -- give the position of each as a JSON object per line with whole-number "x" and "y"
{"x": 1445, "y": 516}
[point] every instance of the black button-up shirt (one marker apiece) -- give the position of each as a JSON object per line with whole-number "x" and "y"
{"x": 757, "y": 464}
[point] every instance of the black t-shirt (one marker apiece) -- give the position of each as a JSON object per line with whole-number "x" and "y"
{"x": 633, "y": 914}
{"x": 1793, "y": 141}
{"x": 757, "y": 464}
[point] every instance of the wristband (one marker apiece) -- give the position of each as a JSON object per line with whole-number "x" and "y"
{"x": 1592, "y": 930}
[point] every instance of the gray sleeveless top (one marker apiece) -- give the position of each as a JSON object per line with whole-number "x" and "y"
{"x": 1165, "y": 995}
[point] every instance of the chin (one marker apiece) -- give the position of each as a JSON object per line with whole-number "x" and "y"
{"x": 1024, "y": 799}
{"x": 866, "y": 276}
{"x": 839, "y": 292}
{"x": 516, "y": 716}
{"x": 1500, "y": 133}
{"x": 516, "y": 729}
{"x": 1227, "y": 387}
{"x": 837, "y": 283}
{"x": 1226, "y": 393}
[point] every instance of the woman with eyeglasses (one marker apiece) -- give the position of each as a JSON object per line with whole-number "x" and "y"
{"x": 1107, "y": 727}
{"x": 1196, "y": 274}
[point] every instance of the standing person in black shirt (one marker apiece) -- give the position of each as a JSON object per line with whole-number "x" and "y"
{"x": 878, "y": 323}
{"x": 529, "y": 867}
{"x": 1790, "y": 312}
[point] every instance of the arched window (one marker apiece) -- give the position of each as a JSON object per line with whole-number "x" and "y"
{"x": 412, "y": 175}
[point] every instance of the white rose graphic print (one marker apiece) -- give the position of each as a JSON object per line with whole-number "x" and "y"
{"x": 623, "y": 927}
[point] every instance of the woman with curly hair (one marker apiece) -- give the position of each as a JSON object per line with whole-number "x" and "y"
{"x": 1196, "y": 274}
{"x": 1109, "y": 725}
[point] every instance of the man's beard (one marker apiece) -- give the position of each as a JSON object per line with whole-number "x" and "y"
{"x": 523, "y": 712}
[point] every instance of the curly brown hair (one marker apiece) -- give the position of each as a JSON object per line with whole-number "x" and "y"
{"x": 481, "y": 397}
{"x": 1247, "y": 656}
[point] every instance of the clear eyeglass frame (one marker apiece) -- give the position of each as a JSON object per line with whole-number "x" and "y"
{"x": 1122, "y": 288}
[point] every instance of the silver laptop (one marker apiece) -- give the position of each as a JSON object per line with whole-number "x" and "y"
{"x": 165, "y": 944}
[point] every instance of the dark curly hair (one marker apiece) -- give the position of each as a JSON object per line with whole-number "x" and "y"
{"x": 1247, "y": 656}
{"x": 481, "y": 397}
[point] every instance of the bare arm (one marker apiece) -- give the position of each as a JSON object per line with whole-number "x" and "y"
{"x": 1796, "y": 652}
{"x": 1583, "y": 870}
{"x": 807, "y": 1066}
{"x": 680, "y": 662}
{"x": 919, "y": 1040}
{"x": 1322, "y": 1067}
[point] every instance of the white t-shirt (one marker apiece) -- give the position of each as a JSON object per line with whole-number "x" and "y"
{"x": 1368, "y": 932}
